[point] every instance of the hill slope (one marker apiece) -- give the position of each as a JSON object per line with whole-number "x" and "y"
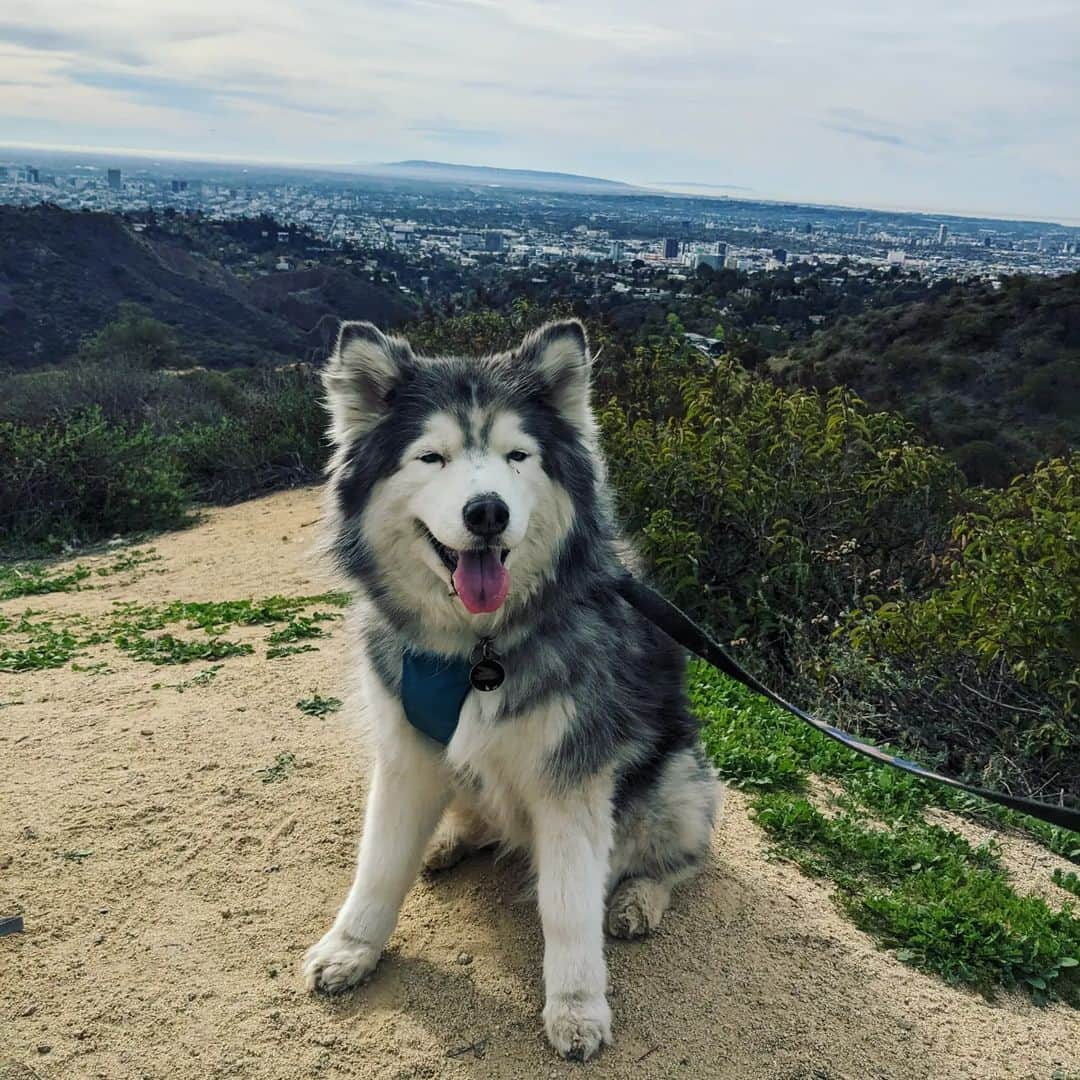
{"x": 63, "y": 276}
{"x": 991, "y": 374}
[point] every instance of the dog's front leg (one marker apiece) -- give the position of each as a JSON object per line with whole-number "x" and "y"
{"x": 572, "y": 844}
{"x": 409, "y": 790}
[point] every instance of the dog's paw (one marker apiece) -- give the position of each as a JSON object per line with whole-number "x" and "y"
{"x": 577, "y": 1027}
{"x": 446, "y": 850}
{"x": 337, "y": 962}
{"x": 636, "y": 908}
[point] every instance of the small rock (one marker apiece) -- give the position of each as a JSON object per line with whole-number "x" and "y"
{"x": 43, "y": 1048}
{"x": 464, "y": 958}
{"x": 5, "y": 861}
{"x": 29, "y": 1010}
{"x": 99, "y": 938}
{"x": 146, "y": 731}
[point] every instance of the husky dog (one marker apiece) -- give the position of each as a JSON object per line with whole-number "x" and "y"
{"x": 467, "y": 501}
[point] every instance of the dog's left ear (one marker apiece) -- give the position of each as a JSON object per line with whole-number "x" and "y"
{"x": 558, "y": 354}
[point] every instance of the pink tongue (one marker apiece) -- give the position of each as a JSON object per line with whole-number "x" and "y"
{"x": 481, "y": 580}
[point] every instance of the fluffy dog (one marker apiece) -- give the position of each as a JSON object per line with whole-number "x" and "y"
{"x": 467, "y": 502}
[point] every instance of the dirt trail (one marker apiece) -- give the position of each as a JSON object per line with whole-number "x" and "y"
{"x": 170, "y": 950}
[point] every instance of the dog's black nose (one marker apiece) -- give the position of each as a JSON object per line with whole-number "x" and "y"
{"x": 486, "y": 515}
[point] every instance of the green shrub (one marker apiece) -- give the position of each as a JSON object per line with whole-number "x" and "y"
{"x": 766, "y": 511}
{"x": 992, "y": 653}
{"x": 1011, "y": 591}
{"x": 84, "y": 478}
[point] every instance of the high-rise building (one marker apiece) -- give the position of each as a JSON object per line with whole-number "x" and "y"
{"x": 671, "y": 247}
{"x": 32, "y": 175}
{"x": 616, "y": 251}
{"x": 493, "y": 241}
{"x": 114, "y": 179}
{"x": 721, "y": 249}
{"x": 780, "y": 255}
{"x": 178, "y": 186}
{"x": 942, "y": 233}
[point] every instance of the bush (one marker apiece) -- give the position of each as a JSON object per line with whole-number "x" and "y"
{"x": 1013, "y": 580}
{"x": 273, "y": 438}
{"x": 768, "y": 512}
{"x": 1004, "y": 613}
{"x": 83, "y": 478}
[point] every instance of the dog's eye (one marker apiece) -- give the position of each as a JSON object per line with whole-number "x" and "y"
{"x": 516, "y": 455}
{"x": 432, "y": 459}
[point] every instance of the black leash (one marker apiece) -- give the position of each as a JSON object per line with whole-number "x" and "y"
{"x": 682, "y": 629}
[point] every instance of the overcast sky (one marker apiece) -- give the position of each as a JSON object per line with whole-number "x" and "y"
{"x": 962, "y": 105}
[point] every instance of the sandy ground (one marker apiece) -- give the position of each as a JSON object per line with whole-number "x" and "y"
{"x": 170, "y": 951}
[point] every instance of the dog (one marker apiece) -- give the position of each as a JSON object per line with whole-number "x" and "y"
{"x": 467, "y": 503}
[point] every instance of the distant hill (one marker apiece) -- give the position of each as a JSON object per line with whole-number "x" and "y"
{"x": 992, "y": 374}
{"x": 487, "y": 176}
{"x": 63, "y": 275}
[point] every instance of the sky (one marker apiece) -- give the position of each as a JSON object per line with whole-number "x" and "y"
{"x": 966, "y": 106}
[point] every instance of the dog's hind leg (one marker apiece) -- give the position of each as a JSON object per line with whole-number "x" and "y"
{"x": 662, "y": 838}
{"x": 636, "y": 906}
{"x": 460, "y": 833}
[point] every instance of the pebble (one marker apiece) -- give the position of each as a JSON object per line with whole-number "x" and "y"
{"x": 43, "y": 1048}
{"x": 146, "y": 731}
{"x": 464, "y": 958}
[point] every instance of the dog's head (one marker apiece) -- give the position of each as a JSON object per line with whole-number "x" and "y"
{"x": 462, "y": 485}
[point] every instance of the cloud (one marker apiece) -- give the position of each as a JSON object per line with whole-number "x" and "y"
{"x": 462, "y": 136}
{"x": 885, "y": 137}
{"x": 836, "y": 101}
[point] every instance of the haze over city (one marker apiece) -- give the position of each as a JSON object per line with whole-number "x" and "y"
{"x": 969, "y": 110}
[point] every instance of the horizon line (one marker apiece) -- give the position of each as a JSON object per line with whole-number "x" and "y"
{"x": 638, "y": 188}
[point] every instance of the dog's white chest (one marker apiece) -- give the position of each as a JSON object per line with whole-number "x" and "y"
{"x": 504, "y": 762}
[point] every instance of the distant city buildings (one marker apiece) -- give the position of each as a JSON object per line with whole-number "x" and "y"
{"x": 500, "y": 231}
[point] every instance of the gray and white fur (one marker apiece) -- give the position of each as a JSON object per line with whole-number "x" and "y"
{"x": 587, "y": 757}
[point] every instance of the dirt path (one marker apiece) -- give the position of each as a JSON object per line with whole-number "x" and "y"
{"x": 168, "y": 894}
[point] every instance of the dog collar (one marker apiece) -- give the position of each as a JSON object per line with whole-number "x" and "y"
{"x": 433, "y": 687}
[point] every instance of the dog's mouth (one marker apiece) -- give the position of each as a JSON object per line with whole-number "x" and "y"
{"x": 479, "y": 575}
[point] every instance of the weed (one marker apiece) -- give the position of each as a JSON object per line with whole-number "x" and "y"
{"x": 44, "y": 647}
{"x": 74, "y": 856}
{"x": 167, "y": 649}
{"x": 298, "y": 629}
{"x": 276, "y": 652}
{"x": 203, "y": 678}
{"x": 32, "y": 579}
{"x": 282, "y": 769}
{"x": 318, "y": 706}
{"x": 99, "y": 668}
{"x": 1070, "y": 881}
{"x": 130, "y": 560}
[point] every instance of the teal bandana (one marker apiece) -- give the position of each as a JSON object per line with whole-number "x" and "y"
{"x": 433, "y": 689}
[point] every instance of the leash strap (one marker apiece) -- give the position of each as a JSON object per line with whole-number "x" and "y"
{"x": 683, "y": 630}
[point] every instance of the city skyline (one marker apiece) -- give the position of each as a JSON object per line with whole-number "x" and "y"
{"x": 975, "y": 111}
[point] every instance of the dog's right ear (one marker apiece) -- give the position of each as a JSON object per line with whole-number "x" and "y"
{"x": 361, "y": 376}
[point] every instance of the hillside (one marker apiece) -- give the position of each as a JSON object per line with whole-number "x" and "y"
{"x": 993, "y": 375}
{"x": 63, "y": 275}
